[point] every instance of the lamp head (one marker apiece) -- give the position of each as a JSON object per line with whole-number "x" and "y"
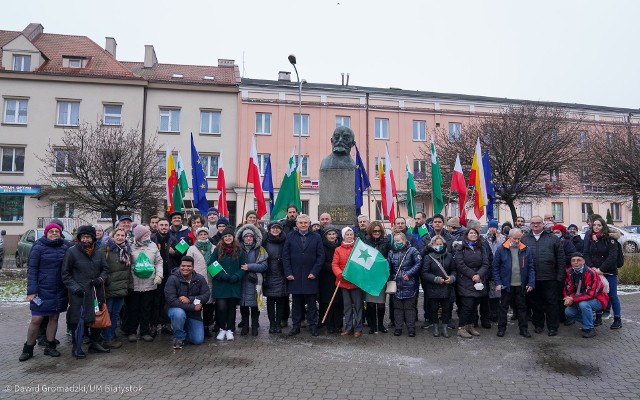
{"x": 292, "y": 59}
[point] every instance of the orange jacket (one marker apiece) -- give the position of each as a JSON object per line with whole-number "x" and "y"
{"x": 340, "y": 258}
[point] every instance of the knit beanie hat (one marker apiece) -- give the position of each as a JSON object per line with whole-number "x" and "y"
{"x": 222, "y": 221}
{"x": 454, "y": 222}
{"x": 201, "y": 229}
{"x": 139, "y": 232}
{"x": 228, "y": 231}
{"x": 346, "y": 229}
{"x": 52, "y": 226}
{"x": 493, "y": 224}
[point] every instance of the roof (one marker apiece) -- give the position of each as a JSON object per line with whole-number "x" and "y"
{"x": 417, "y": 94}
{"x": 55, "y": 47}
{"x": 191, "y": 74}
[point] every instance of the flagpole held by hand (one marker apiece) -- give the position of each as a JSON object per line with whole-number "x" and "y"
{"x": 331, "y": 302}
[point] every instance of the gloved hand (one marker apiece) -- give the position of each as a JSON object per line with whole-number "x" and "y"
{"x": 157, "y": 280}
{"x": 78, "y": 292}
{"x": 233, "y": 279}
{"x": 97, "y": 282}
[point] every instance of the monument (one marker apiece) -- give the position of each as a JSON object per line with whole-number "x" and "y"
{"x": 337, "y": 179}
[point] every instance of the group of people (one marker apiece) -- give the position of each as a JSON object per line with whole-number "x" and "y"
{"x": 188, "y": 281}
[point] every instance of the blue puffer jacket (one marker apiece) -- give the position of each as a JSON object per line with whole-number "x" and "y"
{"x": 411, "y": 265}
{"x": 502, "y": 265}
{"x": 44, "y": 275}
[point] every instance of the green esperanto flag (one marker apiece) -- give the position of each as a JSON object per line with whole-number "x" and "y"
{"x": 366, "y": 268}
{"x": 436, "y": 180}
{"x": 289, "y": 193}
{"x": 411, "y": 192}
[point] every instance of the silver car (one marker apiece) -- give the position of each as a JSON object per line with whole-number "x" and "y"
{"x": 630, "y": 241}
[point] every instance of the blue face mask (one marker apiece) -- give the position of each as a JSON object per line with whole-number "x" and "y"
{"x": 559, "y": 235}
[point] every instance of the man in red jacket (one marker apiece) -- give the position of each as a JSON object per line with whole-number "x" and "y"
{"x": 583, "y": 294}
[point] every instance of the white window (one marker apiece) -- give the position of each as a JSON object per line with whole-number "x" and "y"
{"x": 75, "y": 63}
{"x": 12, "y": 159}
{"x": 69, "y": 113}
{"x": 526, "y": 210}
{"x": 342, "y": 120}
{"x": 21, "y": 63}
{"x": 169, "y": 120}
{"x": 263, "y": 123}
{"x": 112, "y": 114}
{"x": 556, "y": 211}
{"x": 262, "y": 162}
{"x": 583, "y": 138}
{"x": 420, "y": 131}
{"x": 381, "y": 128}
{"x": 305, "y": 206}
{"x": 63, "y": 209}
{"x": 15, "y": 111}
{"x": 210, "y": 164}
{"x": 419, "y": 169}
{"x": 63, "y": 160}
{"x": 162, "y": 161}
{"x": 378, "y": 161}
{"x": 297, "y": 127}
{"x": 586, "y": 207}
{"x": 554, "y": 175}
{"x": 453, "y": 210}
{"x": 304, "y": 170}
{"x": 616, "y": 215}
{"x": 455, "y": 128}
{"x": 210, "y": 122}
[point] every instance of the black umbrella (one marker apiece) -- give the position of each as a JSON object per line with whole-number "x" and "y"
{"x": 78, "y": 334}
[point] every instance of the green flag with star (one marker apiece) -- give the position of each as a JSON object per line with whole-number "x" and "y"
{"x": 289, "y": 192}
{"x": 367, "y": 268}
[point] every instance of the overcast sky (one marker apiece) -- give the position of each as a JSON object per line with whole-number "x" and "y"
{"x": 556, "y": 50}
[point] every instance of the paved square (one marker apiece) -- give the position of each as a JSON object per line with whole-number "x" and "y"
{"x": 332, "y": 367}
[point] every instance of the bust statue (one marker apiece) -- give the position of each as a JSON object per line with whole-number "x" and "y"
{"x": 342, "y": 141}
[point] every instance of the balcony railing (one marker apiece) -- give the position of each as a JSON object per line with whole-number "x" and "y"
{"x": 70, "y": 224}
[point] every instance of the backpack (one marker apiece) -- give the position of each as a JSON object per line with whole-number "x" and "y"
{"x": 620, "y": 259}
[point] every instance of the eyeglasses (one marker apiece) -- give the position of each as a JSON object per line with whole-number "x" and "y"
{"x": 376, "y": 231}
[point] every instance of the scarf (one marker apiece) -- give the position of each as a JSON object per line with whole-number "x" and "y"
{"x": 596, "y": 236}
{"x": 124, "y": 255}
{"x": 276, "y": 239}
{"x": 472, "y": 244}
{"x": 228, "y": 250}
{"x": 204, "y": 247}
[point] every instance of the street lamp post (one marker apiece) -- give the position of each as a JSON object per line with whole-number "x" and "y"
{"x": 292, "y": 60}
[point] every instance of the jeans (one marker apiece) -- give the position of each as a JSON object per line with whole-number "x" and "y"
{"x": 114, "y": 305}
{"x": 614, "y": 300}
{"x": 183, "y": 327}
{"x": 583, "y": 310}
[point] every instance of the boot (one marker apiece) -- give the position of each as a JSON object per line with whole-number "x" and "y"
{"x": 598, "y": 320}
{"x": 462, "y": 332}
{"x": 95, "y": 347}
{"x": 27, "y": 352}
{"x": 472, "y": 330}
{"x": 244, "y": 311}
{"x": 254, "y": 324}
{"x": 50, "y": 350}
{"x": 617, "y": 323}
{"x": 436, "y": 330}
{"x": 445, "y": 330}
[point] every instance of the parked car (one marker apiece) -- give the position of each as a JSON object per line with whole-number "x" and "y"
{"x": 632, "y": 228}
{"x": 2, "y": 233}
{"x": 630, "y": 241}
{"x": 26, "y": 243}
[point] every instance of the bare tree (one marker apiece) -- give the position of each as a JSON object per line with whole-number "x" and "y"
{"x": 104, "y": 168}
{"x": 528, "y": 145}
{"x": 612, "y": 164}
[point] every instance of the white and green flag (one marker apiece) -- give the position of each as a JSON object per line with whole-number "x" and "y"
{"x": 366, "y": 268}
{"x": 436, "y": 180}
{"x": 289, "y": 193}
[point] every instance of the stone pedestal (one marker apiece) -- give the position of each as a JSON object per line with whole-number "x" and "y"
{"x": 337, "y": 195}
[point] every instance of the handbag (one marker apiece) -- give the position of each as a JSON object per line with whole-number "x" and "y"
{"x": 392, "y": 286}
{"x": 102, "y": 318}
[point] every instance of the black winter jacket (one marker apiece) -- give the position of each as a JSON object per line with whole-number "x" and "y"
{"x": 470, "y": 262}
{"x": 275, "y": 283}
{"x": 431, "y": 271}
{"x": 603, "y": 254}
{"x": 548, "y": 256}
{"x": 177, "y": 287}
{"x": 327, "y": 278}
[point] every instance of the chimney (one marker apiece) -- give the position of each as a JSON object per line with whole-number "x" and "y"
{"x": 150, "y": 59}
{"x": 32, "y": 31}
{"x": 110, "y": 46}
{"x": 347, "y": 84}
{"x": 342, "y": 73}
{"x": 284, "y": 76}
{"x": 222, "y": 62}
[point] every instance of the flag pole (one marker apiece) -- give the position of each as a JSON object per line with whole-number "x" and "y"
{"x": 331, "y": 302}
{"x": 398, "y": 205}
{"x": 244, "y": 204}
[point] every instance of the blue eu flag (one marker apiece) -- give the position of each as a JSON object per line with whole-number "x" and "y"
{"x": 267, "y": 183}
{"x": 199, "y": 181}
{"x": 362, "y": 181}
{"x": 491, "y": 194}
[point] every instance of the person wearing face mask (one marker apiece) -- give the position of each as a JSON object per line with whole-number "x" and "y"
{"x": 583, "y": 294}
{"x": 140, "y": 301}
{"x": 331, "y": 240}
{"x": 472, "y": 265}
{"x": 84, "y": 269}
{"x": 514, "y": 276}
{"x": 275, "y": 284}
{"x": 574, "y": 236}
{"x": 201, "y": 252}
{"x": 438, "y": 275}
{"x": 375, "y": 304}
{"x": 250, "y": 237}
{"x": 405, "y": 264}
{"x": 351, "y": 294}
{"x": 603, "y": 257}
{"x": 117, "y": 252}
